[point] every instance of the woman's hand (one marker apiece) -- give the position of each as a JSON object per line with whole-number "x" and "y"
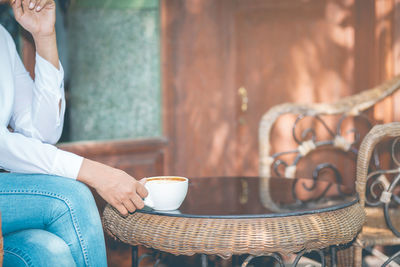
{"x": 116, "y": 187}
{"x": 36, "y": 16}
{"x": 39, "y": 17}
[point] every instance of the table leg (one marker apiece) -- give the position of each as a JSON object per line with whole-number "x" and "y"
{"x": 248, "y": 260}
{"x": 301, "y": 254}
{"x": 204, "y": 261}
{"x": 235, "y": 260}
{"x": 135, "y": 256}
{"x": 278, "y": 259}
{"x": 333, "y": 256}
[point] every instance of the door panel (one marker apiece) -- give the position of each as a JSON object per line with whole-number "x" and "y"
{"x": 199, "y": 119}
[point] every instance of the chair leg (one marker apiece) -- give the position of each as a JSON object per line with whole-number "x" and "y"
{"x": 357, "y": 256}
{"x": 345, "y": 257}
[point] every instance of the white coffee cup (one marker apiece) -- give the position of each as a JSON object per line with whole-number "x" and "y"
{"x": 166, "y": 192}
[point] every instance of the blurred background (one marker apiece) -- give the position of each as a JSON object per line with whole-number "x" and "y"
{"x": 179, "y": 86}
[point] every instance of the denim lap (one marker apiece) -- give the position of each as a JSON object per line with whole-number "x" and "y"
{"x": 61, "y": 206}
{"x": 36, "y": 247}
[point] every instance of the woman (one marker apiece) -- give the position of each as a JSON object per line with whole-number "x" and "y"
{"x": 49, "y": 217}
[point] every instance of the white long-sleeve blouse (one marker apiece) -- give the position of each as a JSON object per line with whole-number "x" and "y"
{"x": 31, "y": 109}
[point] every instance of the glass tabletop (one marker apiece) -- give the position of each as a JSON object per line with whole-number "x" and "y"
{"x": 256, "y": 197}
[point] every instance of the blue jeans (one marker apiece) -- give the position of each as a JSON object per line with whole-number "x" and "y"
{"x": 49, "y": 221}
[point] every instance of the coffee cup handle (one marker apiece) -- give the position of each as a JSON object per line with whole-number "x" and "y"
{"x": 147, "y": 201}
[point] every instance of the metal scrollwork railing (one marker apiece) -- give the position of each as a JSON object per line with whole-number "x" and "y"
{"x": 157, "y": 258}
{"x": 382, "y": 184}
{"x": 280, "y": 262}
{"x": 308, "y": 142}
{"x": 316, "y": 174}
{"x": 387, "y": 201}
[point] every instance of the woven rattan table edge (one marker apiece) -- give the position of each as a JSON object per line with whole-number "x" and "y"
{"x": 227, "y": 237}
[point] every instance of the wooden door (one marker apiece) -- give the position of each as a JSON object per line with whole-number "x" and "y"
{"x": 276, "y": 51}
{"x": 289, "y": 51}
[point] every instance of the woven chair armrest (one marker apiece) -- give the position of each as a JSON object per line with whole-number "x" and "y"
{"x": 374, "y": 136}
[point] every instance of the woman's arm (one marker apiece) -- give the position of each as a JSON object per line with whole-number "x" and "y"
{"x": 39, "y": 105}
{"x": 28, "y": 155}
{"x": 37, "y": 112}
{"x": 117, "y": 187}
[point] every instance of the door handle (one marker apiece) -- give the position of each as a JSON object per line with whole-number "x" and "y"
{"x": 244, "y": 97}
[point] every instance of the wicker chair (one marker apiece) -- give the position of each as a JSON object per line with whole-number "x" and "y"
{"x": 353, "y": 108}
{"x": 382, "y": 226}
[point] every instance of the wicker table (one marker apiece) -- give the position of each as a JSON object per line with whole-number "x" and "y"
{"x": 226, "y": 216}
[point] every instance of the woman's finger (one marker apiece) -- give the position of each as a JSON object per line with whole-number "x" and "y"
{"x": 43, "y": 4}
{"x": 25, "y": 5}
{"x": 141, "y": 190}
{"x": 137, "y": 201}
{"x": 32, "y": 4}
{"x": 39, "y": 5}
{"x": 129, "y": 205}
{"x": 121, "y": 208}
{"x": 17, "y": 8}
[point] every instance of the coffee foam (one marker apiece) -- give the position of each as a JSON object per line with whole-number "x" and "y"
{"x": 165, "y": 180}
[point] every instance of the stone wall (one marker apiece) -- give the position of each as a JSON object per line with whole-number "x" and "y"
{"x": 114, "y": 51}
